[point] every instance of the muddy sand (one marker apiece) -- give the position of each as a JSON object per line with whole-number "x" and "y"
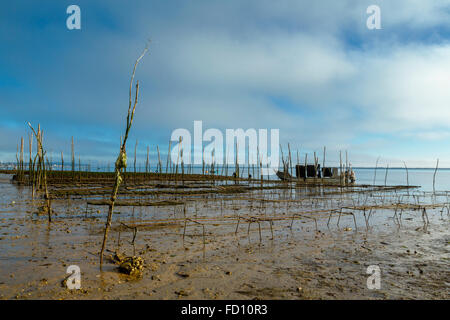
{"x": 280, "y": 243}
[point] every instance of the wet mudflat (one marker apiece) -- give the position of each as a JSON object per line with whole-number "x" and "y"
{"x": 278, "y": 242}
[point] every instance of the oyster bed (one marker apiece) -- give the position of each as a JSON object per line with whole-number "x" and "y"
{"x": 271, "y": 241}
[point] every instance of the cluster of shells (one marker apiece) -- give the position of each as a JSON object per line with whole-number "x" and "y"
{"x": 133, "y": 266}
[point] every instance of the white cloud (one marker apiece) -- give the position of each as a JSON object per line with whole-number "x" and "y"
{"x": 404, "y": 89}
{"x": 220, "y": 62}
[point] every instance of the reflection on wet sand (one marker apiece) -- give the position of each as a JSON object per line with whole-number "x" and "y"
{"x": 226, "y": 241}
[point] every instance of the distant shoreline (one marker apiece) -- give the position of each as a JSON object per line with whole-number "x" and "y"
{"x": 245, "y": 166}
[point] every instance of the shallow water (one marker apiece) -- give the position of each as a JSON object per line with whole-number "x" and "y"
{"x": 398, "y": 176}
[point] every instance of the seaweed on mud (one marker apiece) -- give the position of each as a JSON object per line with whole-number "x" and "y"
{"x": 136, "y": 203}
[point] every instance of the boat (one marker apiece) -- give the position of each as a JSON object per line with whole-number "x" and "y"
{"x": 311, "y": 174}
{"x": 283, "y": 175}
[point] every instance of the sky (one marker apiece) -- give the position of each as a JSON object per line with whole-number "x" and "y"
{"x": 311, "y": 69}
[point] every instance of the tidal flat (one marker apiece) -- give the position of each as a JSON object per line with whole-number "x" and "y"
{"x": 221, "y": 239}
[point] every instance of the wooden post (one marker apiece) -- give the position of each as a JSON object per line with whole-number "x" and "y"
{"x": 168, "y": 156}
{"x": 135, "y": 151}
{"x": 306, "y": 166}
{"x": 159, "y": 161}
{"x": 323, "y": 161}
{"x": 30, "y": 163}
{"x": 290, "y": 159}
{"x": 73, "y": 160}
{"x": 375, "y": 174}
{"x": 385, "y": 177}
{"x": 21, "y": 160}
{"x": 237, "y": 160}
{"x": 147, "y": 162}
{"x": 434, "y": 175}
{"x": 62, "y": 166}
{"x": 121, "y": 160}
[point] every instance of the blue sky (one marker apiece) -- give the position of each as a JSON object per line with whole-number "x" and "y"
{"x": 309, "y": 68}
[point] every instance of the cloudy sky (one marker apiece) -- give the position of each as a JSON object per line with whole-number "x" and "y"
{"x": 309, "y": 68}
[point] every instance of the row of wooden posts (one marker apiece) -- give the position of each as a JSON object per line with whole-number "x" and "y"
{"x": 177, "y": 169}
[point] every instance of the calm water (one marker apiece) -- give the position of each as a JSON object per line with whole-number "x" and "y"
{"x": 395, "y": 176}
{"x": 417, "y": 177}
